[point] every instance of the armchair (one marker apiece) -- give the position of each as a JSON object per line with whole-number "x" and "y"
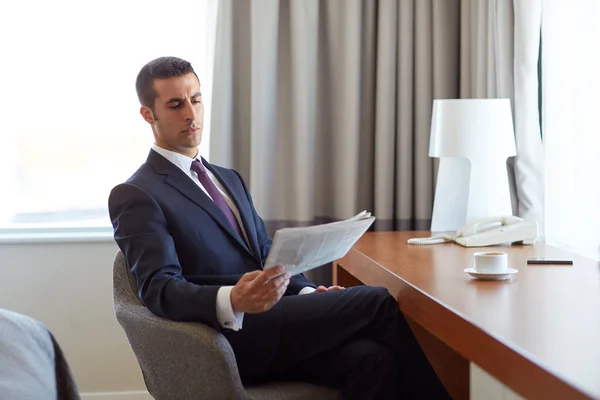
{"x": 188, "y": 360}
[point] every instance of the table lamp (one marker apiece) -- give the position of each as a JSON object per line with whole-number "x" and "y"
{"x": 473, "y": 139}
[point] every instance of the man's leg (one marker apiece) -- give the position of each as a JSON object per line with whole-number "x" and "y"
{"x": 363, "y": 369}
{"x": 318, "y": 323}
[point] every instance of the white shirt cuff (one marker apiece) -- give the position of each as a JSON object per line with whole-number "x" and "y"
{"x": 307, "y": 290}
{"x": 225, "y": 315}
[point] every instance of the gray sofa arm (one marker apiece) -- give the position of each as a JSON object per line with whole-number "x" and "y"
{"x": 180, "y": 360}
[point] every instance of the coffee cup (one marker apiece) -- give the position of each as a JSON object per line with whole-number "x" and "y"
{"x": 490, "y": 262}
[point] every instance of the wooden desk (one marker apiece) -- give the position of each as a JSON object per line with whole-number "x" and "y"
{"x": 538, "y": 333}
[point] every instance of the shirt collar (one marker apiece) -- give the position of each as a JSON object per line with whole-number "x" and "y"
{"x": 181, "y": 161}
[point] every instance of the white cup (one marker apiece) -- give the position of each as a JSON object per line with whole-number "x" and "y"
{"x": 491, "y": 262}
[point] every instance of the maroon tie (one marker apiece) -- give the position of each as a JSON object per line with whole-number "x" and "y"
{"x": 216, "y": 196}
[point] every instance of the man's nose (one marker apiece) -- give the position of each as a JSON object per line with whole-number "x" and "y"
{"x": 189, "y": 111}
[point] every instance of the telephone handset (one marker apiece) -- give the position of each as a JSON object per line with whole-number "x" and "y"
{"x": 488, "y": 232}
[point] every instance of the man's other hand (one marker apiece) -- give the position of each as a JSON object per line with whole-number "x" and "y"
{"x": 328, "y": 289}
{"x": 258, "y": 291}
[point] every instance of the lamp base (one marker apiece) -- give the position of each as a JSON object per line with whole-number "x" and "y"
{"x": 468, "y": 190}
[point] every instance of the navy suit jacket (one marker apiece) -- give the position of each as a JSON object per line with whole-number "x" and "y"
{"x": 180, "y": 247}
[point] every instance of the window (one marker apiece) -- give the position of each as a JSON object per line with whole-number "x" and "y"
{"x": 71, "y": 128}
{"x": 570, "y": 87}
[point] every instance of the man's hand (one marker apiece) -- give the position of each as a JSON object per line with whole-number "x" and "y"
{"x": 328, "y": 289}
{"x": 258, "y": 291}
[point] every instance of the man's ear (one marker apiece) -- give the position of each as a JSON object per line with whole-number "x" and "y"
{"x": 147, "y": 114}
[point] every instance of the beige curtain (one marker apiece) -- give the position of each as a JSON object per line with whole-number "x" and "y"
{"x": 324, "y": 107}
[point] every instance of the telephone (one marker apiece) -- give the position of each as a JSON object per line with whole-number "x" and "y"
{"x": 488, "y": 232}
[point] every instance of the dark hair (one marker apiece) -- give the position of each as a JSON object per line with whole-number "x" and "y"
{"x": 160, "y": 68}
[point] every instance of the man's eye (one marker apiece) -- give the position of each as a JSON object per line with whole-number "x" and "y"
{"x": 196, "y": 101}
{"x": 176, "y": 105}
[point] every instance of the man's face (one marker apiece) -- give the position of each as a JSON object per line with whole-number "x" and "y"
{"x": 178, "y": 115}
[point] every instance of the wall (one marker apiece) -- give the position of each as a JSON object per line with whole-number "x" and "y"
{"x": 68, "y": 287}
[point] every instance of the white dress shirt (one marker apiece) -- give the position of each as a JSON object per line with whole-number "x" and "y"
{"x": 227, "y": 318}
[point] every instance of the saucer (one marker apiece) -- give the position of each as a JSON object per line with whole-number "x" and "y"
{"x": 491, "y": 276}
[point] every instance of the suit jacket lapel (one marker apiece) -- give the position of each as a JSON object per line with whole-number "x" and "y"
{"x": 244, "y": 209}
{"x": 180, "y": 181}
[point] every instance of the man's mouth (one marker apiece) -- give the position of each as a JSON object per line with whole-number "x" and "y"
{"x": 191, "y": 131}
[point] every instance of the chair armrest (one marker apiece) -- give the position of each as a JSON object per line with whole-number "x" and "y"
{"x": 180, "y": 360}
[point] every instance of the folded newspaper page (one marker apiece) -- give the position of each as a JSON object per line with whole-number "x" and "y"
{"x": 302, "y": 249}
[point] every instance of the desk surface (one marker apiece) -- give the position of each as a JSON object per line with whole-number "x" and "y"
{"x": 538, "y": 332}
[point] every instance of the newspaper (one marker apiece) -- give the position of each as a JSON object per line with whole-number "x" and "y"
{"x": 305, "y": 248}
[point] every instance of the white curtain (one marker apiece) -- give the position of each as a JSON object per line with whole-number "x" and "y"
{"x": 499, "y": 53}
{"x": 529, "y": 162}
{"x": 571, "y": 84}
{"x": 204, "y": 66}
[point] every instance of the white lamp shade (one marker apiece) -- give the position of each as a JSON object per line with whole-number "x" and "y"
{"x": 472, "y": 128}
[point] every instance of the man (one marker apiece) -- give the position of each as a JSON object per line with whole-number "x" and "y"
{"x": 195, "y": 245}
